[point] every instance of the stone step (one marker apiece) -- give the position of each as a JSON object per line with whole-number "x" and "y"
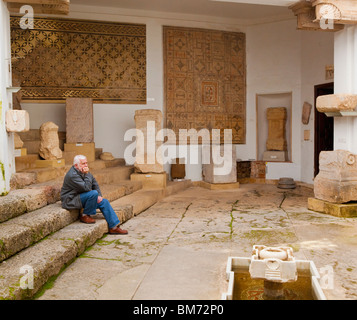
{"x": 26, "y": 162}
{"x": 22, "y": 231}
{"x": 46, "y": 259}
{"x": 49, "y": 256}
{"x": 33, "y": 175}
{"x": 113, "y": 175}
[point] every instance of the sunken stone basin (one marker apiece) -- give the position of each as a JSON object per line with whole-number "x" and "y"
{"x": 272, "y": 274}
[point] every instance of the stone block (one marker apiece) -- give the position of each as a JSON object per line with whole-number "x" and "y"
{"x": 150, "y": 181}
{"x": 275, "y": 156}
{"x": 20, "y": 152}
{"x": 79, "y": 120}
{"x": 86, "y": 149}
{"x": 50, "y": 163}
{"x": 222, "y": 170}
{"x": 26, "y": 162}
{"x": 219, "y": 186}
{"x": 17, "y": 121}
{"x": 337, "y": 180}
{"x": 345, "y": 210}
{"x": 336, "y": 103}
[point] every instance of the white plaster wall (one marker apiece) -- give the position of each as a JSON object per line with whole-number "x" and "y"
{"x": 274, "y": 66}
{"x": 274, "y": 62}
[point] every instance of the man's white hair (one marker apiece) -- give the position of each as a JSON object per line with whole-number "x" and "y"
{"x": 78, "y": 158}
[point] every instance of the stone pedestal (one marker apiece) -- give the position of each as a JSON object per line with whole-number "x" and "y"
{"x": 58, "y": 163}
{"x": 225, "y": 172}
{"x": 73, "y": 149}
{"x": 148, "y": 123}
{"x": 337, "y": 179}
{"x": 275, "y": 156}
{"x": 79, "y": 120}
{"x": 151, "y": 181}
{"x": 276, "y": 129}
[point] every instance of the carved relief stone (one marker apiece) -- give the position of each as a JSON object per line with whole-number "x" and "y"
{"x": 306, "y": 18}
{"x": 276, "y": 129}
{"x": 79, "y": 120}
{"x": 340, "y": 11}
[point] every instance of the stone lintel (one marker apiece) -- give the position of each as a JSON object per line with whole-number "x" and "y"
{"x": 337, "y": 103}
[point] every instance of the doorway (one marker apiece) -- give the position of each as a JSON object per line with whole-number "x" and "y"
{"x": 324, "y": 126}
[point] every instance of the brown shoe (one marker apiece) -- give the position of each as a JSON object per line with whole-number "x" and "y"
{"x": 86, "y": 219}
{"x": 117, "y": 230}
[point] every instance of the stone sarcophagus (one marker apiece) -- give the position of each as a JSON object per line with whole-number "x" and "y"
{"x": 337, "y": 179}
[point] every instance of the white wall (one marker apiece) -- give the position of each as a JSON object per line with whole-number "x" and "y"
{"x": 274, "y": 65}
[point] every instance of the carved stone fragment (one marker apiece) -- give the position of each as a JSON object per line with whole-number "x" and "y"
{"x": 337, "y": 179}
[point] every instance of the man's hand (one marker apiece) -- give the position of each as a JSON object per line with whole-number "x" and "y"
{"x": 85, "y": 169}
{"x": 99, "y": 200}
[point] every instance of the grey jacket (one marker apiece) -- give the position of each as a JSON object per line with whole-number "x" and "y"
{"x": 74, "y": 184}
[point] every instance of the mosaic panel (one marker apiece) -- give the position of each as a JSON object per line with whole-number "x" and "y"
{"x": 63, "y": 58}
{"x": 205, "y": 80}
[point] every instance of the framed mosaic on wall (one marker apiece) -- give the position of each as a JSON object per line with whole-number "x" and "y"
{"x": 61, "y": 58}
{"x": 205, "y": 80}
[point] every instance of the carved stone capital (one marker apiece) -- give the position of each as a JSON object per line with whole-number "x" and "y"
{"x": 306, "y": 18}
{"x": 340, "y": 11}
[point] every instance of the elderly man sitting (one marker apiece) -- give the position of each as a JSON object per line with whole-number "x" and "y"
{"x": 81, "y": 190}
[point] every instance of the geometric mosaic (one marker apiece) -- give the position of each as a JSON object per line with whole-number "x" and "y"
{"x": 205, "y": 80}
{"x": 61, "y": 58}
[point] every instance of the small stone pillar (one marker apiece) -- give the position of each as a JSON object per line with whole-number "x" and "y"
{"x": 221, "y": 172}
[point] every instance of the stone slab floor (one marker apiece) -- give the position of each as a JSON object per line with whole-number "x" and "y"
{"x": 178, "y": 248}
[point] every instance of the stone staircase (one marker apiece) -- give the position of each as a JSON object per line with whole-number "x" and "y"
{"x": 39, "y": 238}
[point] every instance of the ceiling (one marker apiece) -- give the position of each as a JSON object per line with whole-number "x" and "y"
{"x": 233, "y": 9}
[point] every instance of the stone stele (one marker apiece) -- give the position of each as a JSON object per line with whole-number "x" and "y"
{"x": 49, "y": 145}
{"x": 276, "y": 129}
{"x": 337, "y": 179}
{"x": 148, "y": 122}
{"x": 79, "y": 120}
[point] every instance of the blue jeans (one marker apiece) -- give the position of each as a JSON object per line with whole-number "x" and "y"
{"x": 90, "y": 205}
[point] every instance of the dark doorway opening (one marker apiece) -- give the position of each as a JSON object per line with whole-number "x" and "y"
{"x": 323, "y": 126}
